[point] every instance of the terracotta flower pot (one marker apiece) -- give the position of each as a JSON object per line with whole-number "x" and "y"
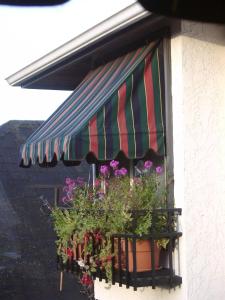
{"x": 143, "y": 255}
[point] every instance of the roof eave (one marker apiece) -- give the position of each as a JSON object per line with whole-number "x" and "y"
{"x": 117, "y": 22}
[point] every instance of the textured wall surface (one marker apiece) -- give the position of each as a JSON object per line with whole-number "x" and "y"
{"x": 102, "y": 292}
{"x": 198, "y": 88}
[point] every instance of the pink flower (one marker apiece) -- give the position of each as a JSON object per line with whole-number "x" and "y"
{"x": 104, "y": 170}
{"x": 114, "y": 164}
{"x": 68, "y": 180}
{"x": 70, "y": 253}
{"x": 123, "y": 171}
{"x": 71, "y": 186}
{"x": 148, "y": 164}
{"x": 98, "y": 236}
{"x": 120, "y": 172}
{"x": 72, "y": 182}
{"x": 159, "y": 170}
{"x": 86, "y": 279}
{"x": 97, "y": 183}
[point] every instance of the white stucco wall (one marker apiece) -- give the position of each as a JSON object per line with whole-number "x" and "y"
{"x": 198, "y": 92}
{"x": 198, "y": 96}
{"x": 102, "y": 292}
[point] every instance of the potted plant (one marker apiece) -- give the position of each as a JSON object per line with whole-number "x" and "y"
{"x": 142, "y": 194}
{"x": 92, "y": 215}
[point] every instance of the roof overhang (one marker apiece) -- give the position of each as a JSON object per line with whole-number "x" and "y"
{"x": 65, "y": 67}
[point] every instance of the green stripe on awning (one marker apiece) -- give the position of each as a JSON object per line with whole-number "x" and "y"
{"x": 117, "y": 107}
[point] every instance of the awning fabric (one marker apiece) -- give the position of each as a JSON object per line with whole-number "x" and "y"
{"x": 117, "y": 107}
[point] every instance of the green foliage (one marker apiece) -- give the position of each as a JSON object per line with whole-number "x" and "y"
{"x": 92, "y": 219}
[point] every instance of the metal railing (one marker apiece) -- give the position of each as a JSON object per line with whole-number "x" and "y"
{"x": 127, "y": 268}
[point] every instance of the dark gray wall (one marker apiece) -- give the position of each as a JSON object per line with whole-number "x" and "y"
{"x": 27, "y": 249}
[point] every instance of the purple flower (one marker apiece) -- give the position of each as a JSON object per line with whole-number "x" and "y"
{"x": 120, "y": 172}
{"x": 68, "y": 180}
{"x": 114, "y": 164}
{"x": 148, "y": 164}
{"x": 123, "y": 171}
{"x": 104, "y": 170}
{"x": 159, "y": 170}
{"x": 72, "y": 184}
{"x": 117, "y": 173}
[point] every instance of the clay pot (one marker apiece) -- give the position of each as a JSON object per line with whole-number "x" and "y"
{"x": 143, "y": 255}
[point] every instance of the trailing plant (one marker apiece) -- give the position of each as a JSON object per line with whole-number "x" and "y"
{"x": 116, "y": 204}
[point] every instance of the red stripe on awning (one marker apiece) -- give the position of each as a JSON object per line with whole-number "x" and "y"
{"x": 93, "y": 135}
{"x": 121, "y": 118}
{"x": 150, "y": 105}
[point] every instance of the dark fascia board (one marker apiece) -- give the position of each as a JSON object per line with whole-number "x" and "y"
{"x": 67, "y": 73}
{"x": 205, "y": 11}
{"x": 32, "y": 2}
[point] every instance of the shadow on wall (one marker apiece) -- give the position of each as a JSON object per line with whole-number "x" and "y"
{"x": 27, "y": 249}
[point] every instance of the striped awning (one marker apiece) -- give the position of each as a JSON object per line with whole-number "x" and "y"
{"x": 117, "y": 107}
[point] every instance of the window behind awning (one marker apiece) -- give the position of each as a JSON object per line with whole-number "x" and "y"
{"x": 116, "y": 108}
